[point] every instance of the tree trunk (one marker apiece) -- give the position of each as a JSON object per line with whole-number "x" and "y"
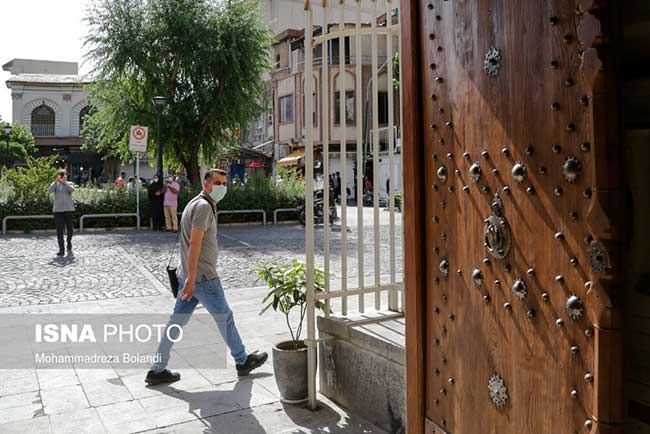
{"x": 193, "y": 172}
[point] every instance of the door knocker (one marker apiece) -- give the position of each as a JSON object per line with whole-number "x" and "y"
{"x": 496, "y": 231}
{"x": 498, "y": 391}
{"x": 492, "y": 63}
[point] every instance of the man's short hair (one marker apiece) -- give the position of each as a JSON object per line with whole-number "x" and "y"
{"x": 123, "y": 174}
{"x": 211, "y": 172}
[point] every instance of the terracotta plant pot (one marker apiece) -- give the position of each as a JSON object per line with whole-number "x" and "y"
{"x": 290, "y": 369}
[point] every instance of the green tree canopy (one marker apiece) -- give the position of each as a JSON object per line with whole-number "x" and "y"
{"x": 21, "y": 144}
{"x": 207, "y": 57}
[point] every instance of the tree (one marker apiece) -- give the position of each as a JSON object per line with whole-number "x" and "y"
{"x": 208, "y": 58}
{"x": 21, "y": 145}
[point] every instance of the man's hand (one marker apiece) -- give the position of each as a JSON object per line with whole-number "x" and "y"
{"x": 188, "y": 290}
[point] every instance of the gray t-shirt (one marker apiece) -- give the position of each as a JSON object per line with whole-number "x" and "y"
{"x": 62, "y": 196}
{"x": 198, "y": 214}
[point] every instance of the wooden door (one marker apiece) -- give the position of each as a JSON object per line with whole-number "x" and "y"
{"x": 516, "y": 124}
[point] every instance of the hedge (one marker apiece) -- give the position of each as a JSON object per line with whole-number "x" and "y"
{"x": 257, "y": 193}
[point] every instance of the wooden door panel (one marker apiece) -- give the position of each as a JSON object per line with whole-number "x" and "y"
{"x": 535, "y": 111}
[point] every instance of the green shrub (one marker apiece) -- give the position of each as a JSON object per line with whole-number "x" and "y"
{"x": 258, "y": 193}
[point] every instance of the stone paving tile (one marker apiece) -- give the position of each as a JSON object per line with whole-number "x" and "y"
{"x": 103, "y": 392}
{"x": 125, "y": 417}
{"x": 77, "y": 422}
{"x": 54, "y": 378}
{"x": 14, "y": 381}
{"x": 64, "y": 399}
{"x": 38, "y": 425}
{"x": 20, "y": 406}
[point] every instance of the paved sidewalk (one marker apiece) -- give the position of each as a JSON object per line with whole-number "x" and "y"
{"x": 79, "y": 400}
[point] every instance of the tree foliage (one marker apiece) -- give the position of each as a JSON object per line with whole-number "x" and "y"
{"x": 21, "y": 144}
{"x": 207, "y": 57}
{"x": 31, "y": 182}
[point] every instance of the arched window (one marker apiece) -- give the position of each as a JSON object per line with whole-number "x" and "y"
{"x": 43, "y": 121}
{"x": 82, "y": 115}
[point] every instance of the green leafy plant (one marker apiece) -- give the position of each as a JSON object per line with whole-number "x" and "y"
{"x": 31, "y": 181}
{"x": 288, "y": 284}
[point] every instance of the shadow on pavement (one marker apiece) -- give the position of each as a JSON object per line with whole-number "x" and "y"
{"x": 229, "y": 411}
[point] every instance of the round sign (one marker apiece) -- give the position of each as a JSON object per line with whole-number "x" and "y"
{"x": 139, "y": 133}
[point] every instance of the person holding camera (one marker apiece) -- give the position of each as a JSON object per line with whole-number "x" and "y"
{"x": 63, "y": 209}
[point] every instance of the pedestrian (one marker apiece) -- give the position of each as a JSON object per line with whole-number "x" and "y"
{"x": 199, "y": 282}
{"x": 170, "y": 204}
{"x": 156, "y": 198}
{"x": 63, "y": 209}
{"x": 130, "y": 186}
{"x": 388, "y": 186}
{"x": 120, "y": 181}
{"x": 338, "y": 186}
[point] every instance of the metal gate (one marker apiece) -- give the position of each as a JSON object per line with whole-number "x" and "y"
{"x": 371, "y": 31}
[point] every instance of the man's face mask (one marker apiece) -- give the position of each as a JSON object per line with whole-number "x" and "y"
{"x": 219, "y": 190}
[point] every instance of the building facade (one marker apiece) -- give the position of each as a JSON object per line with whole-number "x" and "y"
{"x": 279, "y": 131}
{"x": 49, "y": 98}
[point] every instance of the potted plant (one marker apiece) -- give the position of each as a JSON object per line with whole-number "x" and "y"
{"x": 288, "y": 293}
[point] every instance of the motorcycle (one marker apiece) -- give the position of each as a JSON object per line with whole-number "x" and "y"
{"x": 319, "y": 213}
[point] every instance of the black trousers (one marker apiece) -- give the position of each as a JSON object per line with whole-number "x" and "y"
{"x": 64, "y": 220}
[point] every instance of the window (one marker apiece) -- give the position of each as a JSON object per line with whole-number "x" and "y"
{"x": 314, "y": 118}
{"x": 43, "y": 121}
{"x": 334, "y": 50}
{"x": 349, "y": 107}
{"x": 286, "y": 109}
{"x": 383, "y": 108}
{"x": 82, "y": 118}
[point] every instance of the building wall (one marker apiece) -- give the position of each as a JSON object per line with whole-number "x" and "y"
{"x": 67, "y": 102}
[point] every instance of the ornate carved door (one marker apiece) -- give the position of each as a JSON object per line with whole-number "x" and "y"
{"x": 517, "y": 244}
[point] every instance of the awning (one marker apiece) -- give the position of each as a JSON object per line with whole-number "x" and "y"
{"x": 292, "y": 158}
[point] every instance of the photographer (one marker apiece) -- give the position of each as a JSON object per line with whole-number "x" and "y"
{"x": 63, "y": 209}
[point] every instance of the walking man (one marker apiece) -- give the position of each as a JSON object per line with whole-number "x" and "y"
{"x": 63, "y": 209}
{"x": 199, "y": 282}
{"x": 171, "y": 204}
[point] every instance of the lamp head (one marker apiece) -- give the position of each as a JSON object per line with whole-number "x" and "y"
{"x": 7, "y": 129}
{"x": 159, "y": 101}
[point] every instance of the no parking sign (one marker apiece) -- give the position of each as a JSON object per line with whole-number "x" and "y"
{"x": 138, "y": 139}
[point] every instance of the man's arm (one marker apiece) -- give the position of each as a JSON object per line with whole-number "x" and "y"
{"x": 69, "y": 187}
{"x": 51, "y": 188}
{"x": 196, "y": 239}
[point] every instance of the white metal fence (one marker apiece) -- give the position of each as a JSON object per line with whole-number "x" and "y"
{"x": 382, "y": 29}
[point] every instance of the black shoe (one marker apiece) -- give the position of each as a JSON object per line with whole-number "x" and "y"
{"x": 61, "y": 253}
{"x": 69, "y": 247}
{"x": 253, "y": 361}
{"x": 161, "y": 377}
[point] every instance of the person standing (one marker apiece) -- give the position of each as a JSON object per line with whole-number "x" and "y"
{"x": 120, "y": 181}
{"x": 63, "y": 209}
{"x": 199, "y": 282}
{"x": 170, "y": 204}
{"x": 156, "y": 191}
{"x": 338, "y": 186}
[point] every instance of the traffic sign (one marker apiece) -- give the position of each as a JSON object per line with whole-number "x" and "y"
{"x": 138, "y": 139}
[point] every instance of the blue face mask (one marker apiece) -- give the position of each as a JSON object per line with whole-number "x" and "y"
{"x": 218, "y": 192}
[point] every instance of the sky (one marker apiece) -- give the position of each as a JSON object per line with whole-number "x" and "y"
{"x": 39, "y": 29}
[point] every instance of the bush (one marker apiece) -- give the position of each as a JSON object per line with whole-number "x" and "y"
{"x": 258, "y": 193}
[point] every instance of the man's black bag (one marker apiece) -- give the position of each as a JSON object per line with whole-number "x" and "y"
{"x": 171, "y": 271}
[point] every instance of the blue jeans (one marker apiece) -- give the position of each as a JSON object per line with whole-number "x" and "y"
{"x": 210, "y": 294}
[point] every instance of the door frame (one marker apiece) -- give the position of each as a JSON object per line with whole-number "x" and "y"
{"x": 600, "y": 34}
{"x": 413, "y": 215}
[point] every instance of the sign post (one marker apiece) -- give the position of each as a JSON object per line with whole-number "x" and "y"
{"x": 137, "y": 144}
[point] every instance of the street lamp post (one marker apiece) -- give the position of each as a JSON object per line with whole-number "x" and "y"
{"x": 159, "y": 102}
{"x": 7, "y": 131}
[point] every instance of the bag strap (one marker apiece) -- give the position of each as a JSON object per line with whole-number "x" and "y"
{"x": 178, "y": 234}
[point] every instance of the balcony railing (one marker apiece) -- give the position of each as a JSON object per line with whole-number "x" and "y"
{"x": 43, "y": 130}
